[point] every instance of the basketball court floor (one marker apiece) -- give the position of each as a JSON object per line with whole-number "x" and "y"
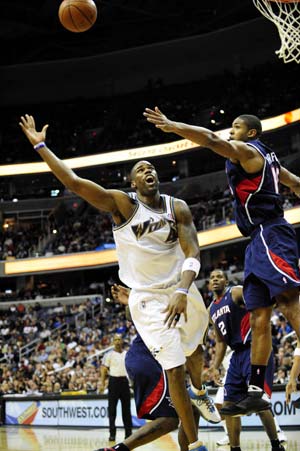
{"x": 17, "y": 438}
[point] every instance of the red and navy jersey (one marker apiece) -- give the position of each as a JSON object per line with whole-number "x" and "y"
{"x": 256, "y": 196}
{"x": 231, "y": 321}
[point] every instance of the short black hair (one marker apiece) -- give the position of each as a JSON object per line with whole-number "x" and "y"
{"x": 252, "y": 122}
{"x": 134, "y": 167}
{"x": 225, "y": 275}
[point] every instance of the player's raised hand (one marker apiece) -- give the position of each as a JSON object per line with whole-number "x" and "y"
{"x": 159, "y": 119}
{"x": 27, "y": 124}
{"x": 120, "y": 293}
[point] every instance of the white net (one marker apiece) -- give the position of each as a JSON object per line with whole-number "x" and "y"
{"x": 286, "y": 16}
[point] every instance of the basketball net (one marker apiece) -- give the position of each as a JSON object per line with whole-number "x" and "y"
{"x": 285, "y": 14}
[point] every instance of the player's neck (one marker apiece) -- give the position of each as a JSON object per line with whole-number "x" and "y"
{"x": 154, "y": 202}
{"x": 219, "y": 294}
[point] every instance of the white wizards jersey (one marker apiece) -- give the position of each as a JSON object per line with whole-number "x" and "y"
{"x": 148, "y": 248}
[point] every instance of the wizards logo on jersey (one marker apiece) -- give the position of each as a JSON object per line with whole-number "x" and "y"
{"x": 151, "y": 226}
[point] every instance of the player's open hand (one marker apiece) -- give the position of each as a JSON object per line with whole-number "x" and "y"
{"x": 157, "y": 118}
{"x": 289, "y": 389}
{"x": 27, "y": 124}
{"x": 120, "y": 294}
{"x": 176, "y": 308}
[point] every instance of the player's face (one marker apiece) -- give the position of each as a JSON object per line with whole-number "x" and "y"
{"x": 144, "y": 178}
{"x": 239, "y": 131}
{"x": 217, "y": 281}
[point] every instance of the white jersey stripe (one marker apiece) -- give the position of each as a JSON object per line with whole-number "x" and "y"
{"x": 162, "y": 395}
{"x": 270, "y": 258}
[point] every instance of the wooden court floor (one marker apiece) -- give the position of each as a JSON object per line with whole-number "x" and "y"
{"x": 17, "y": 438}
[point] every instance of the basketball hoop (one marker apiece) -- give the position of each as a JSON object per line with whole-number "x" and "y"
{"x": 285, "y": 14}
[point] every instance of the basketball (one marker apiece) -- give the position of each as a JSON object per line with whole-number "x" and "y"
{"x": 77, "y": 15}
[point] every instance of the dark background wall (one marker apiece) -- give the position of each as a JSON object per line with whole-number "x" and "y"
{"x": 190, "y": 59}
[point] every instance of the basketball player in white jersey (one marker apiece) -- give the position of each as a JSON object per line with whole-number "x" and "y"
{"x": 159, "y": 259}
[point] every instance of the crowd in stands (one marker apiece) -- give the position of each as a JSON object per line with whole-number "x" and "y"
{"x": 79, "y": 234}
{"x": 92, "y": 230}
{"x": 63, "y": 358}
{"x": 68, "y": 359}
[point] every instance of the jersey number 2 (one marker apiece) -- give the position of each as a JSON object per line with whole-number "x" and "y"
{"x": 222, "y": 328}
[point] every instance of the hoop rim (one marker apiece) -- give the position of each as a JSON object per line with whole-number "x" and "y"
{"x": 284, "y": 1}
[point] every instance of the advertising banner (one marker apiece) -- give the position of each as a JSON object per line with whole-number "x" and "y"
{"x": 66, "y": 412}
{"x": 94, "y": 413}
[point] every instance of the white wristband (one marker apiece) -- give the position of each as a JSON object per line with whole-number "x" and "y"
{"x": 191, "y": 264}
{"x": 297, "y": 352}
{"x": 39, "y": 145}
{"x": 182, "y": 290}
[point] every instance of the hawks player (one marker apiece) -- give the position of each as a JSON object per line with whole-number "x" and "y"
{"x": 271, "y": 260}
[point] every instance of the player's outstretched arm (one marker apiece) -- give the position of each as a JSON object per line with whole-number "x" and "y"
{"x": 290, "y": 180}
{"x": 237, "y": 151}
{"x": 96, "y": 195}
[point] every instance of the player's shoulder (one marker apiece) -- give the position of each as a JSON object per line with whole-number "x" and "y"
{"x": 242, "y": 146}
{"x": 181, "y": 209}
{"x": 180, "y": 203}
{"x": 131, "y": 195}
{"x": 122, "y": 199}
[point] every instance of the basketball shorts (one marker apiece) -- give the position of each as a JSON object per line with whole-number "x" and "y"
{"x": 238, "y": 376}
{"x": 170, "y": 346}
{"x": 271, "y": 263}
{"x": 150, "y": 386}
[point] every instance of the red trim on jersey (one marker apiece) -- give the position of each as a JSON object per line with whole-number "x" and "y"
{"x": 284, "y": 266}
{"x": 153, "y": 398}
{"x": 245, "y": 325}
{"x": 247, "y": 187}
{"x": 218, "y": 300}
{"x": 267, "y": 389}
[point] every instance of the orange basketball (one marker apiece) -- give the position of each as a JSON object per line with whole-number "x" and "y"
{"x": 77, "y": 15}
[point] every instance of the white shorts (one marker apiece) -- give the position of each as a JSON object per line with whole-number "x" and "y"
{"x": 169, "y": 346}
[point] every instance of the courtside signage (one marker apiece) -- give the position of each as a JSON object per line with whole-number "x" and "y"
{"x": 94, "y": 413}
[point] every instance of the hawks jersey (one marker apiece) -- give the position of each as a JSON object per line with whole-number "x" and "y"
{"x": 256, "y": 196}
{"x": 231, "y": 321}
{"x": 148, "y": 248}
